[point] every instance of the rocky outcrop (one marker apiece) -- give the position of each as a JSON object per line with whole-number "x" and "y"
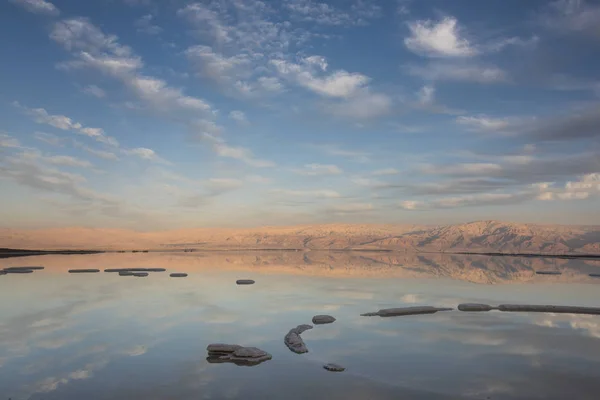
{"x": 28, "y": 268}
{"x": 549, "y": 309}
{"x": 396, "y": 312}
{"x": 334, "y": 367}
{"x": 178, "y": 275}
{"x": 135, "y": 270}
{"x": 83, "y": 271}
{"x": 293, "y": 340}
{"x": 244, "y": 282}
{"x": 239, "y": 355}
{"x": 475, "y": 307}
{"x": 17, "y": 271}
{"x": 323, "y": 319}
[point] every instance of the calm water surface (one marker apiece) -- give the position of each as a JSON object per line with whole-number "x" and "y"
{"x": 102, "y": 336}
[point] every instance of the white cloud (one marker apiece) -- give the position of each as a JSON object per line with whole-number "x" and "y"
{"x": 107, "y": 155}
{"x": 426, "y": 95}
{"x": 242, "y": 154}
{"x": 578, "y": 16}
{"x": 386, "y": 171}
{"x": 460, "y": 72}
{"x": 319, "y": 169}
{"x": 93, "y": 49}
{"x": 438, "y": 39}
{"x": 8, "y": 141}
{"x": 364, "y": 105}
{"x": 216, "y": 66}
{"x": 48, "y": 138}
{"x": 68, "y": 161}
{"x": 322, "y": 194}
{"x": 41, "y": 116}
{"x": 463, "y": 169}
{"x": 258, "y": 179}
{"x": 224, "y": 183}
{"x": 146, "y": 154}
{"x": 411, "y": 205}
{"x": 484, "y": 123}
{"x": 370, "y": 183}
{"x": 95, "y": 91}
{"x": 359, "y": 13}
{"x": 352, "y": 208}
{"x": 144, "y": 25}
{"x": 305, "y": 73}
{"x": 332, "y": 150}
{"x": 238, "y": 116}
{"x": 38, "y": 6}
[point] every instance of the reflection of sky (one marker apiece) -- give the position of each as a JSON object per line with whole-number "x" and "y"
{"x": 103, "y": 336}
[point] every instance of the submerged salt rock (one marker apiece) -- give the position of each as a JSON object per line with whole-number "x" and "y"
{"x": 395, "y": 312}
{"x": 549, "y": 309}
{"x": 18, "y": 271}
{"x": 595, "y": 275}
{"x": 178, "y": 275}
{"x": 125, "y": 273}
{"x": 548, "y": 273}
{"x": 33, "y": 268}
{"x": 475, "y": 307}
{"x": 252, "y": 352}
{"x": 334, "y": 367}
{"x": 83, "y": 271}
{"x": 293, "y": 340}
{"x": 322, "y": 319}
{"x": 139, "y": 274}
{"x": 222, "y": 348}
{"x": 244, "y": 282}
{"x": 233, "y": 353}
{"x": 135, "y": 270}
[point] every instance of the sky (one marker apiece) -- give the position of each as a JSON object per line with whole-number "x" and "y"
{"x": 150, "y": 115}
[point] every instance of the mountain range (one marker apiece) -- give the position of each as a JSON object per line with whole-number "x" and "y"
{"x": 473, "y": 237}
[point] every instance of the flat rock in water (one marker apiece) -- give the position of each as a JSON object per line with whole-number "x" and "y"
{"x": 125, "y": 273}
{"x": 18, "y": 271}
{"x": 548, "y": 273}
{"x": 334, "y": 367}
{"x": 396, "y": 312}
{"x": 475, "y": 307}
{"x": 322, "y": 319}
{"x": 293, "y": 340}
{"x": 83, "y": 271}
{"x": 33, "y": 268}
{"x": 244, "y": 282}
{"x": 233, "y": 353}
{"x": 549, "y": 309}
{"x": 178, "y": 275}
{"x": 139, "y": 274}
{"x": 135, "y": 270}
{"x": 222, "y": 348}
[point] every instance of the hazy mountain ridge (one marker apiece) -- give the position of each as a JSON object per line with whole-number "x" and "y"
{"x": 481, "y": 236}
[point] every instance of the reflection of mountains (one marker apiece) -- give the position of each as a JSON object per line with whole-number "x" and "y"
{"x": 471, "y": 268}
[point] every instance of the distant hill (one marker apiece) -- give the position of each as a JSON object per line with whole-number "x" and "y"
{"x": 480, "y": 237}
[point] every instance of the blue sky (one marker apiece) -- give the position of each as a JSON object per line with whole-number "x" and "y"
{"x": 154, "y": 114}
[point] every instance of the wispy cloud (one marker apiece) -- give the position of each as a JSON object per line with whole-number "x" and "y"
{"x": 38, "y": 6}
{"x": 95, "y": 91}
{"x": 319, "y": 169}
{"x": 41, "y": 116}
{"x": 93, "y": 49}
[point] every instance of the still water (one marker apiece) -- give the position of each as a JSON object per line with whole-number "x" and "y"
{"x": 103, "y": 336}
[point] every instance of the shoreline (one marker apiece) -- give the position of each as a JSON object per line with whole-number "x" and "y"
{"x": 7, "y": 253}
